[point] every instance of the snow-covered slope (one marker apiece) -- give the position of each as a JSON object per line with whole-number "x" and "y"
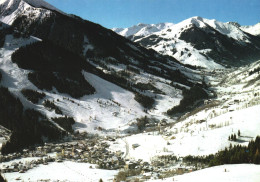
{"x": 254, "y": 30}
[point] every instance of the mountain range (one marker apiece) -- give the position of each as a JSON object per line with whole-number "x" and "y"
{"x": 200, "y": 42}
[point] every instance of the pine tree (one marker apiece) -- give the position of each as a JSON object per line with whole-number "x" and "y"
{"x": 235, "y": 137}
{"x": 257, "y": 157}
{"x": 2, "y": 178}
{"x": 238, "y": 133}
{"x": 232, "y": 137}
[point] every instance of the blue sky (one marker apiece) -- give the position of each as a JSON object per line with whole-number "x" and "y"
{"x": 125, "y": 13}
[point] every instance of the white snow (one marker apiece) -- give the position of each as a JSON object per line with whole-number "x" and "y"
{"x": 66, "y": 171}
{"x": 254, "y": 30}
{"x": 234, "y": 173}
{"x": 186, "y": 53}
{"x": 111, "y": 107}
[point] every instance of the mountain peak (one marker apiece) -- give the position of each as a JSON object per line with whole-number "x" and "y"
{"x": 234, "y": 23}
{"x": 141, "y": 24}
{"x": 197, "y": 18}
{"x": 11, "y": 9}
{"x": 10, "y": 4}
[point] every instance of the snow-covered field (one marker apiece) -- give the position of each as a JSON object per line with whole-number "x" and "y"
{"x": 224, "y": 173}
{"x": 64, "y": 171}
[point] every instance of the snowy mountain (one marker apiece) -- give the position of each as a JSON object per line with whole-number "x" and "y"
{"x": 36, "y": 9}
{"x": 206, "y": 43}
{"x": 254, "y": 30}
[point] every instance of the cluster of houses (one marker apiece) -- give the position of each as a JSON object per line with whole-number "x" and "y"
{"x": 92, "y": 151}
{"x": 22, "y": 167}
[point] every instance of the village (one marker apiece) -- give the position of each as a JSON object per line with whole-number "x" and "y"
{"x": 92, "y": 149}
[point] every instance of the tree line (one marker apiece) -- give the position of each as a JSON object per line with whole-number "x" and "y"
{"x": 190, "y": 98}
{"x": 232, "y": 155}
